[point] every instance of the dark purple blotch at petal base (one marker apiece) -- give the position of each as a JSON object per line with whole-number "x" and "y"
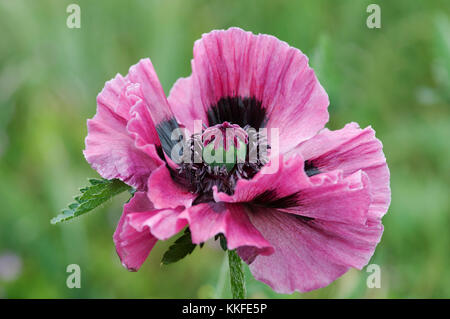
{"x": 165, "y": 129}
{"x": 243, "y": 111}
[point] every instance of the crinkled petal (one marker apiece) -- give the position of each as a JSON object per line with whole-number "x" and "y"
{"x": 327, "y": 196}
{"x": 275, "y": 86}
{"x": 209, "y": 219}
{"x": 110, "y": 148}
{"x": 181, "y": 98}
{"x": 310, "y": 254}
{"x": 164, "y": 192}
{"x": 113, "y": 96}
{"x": 141, "y": 125}
{"x": 149, "y": 90}
{"x": 140, "y": 226}
{"x": 133, "y": 246}
{"x": 351, "y": 149}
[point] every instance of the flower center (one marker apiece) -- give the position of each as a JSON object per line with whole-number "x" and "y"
{"x": 220, "y": 156}
{"x": 224, "y": 145}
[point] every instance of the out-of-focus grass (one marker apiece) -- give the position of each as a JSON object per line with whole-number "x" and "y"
{"x": 395, "y": 79}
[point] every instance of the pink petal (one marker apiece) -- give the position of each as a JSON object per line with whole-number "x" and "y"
{"x": 113, "y": 96}
{"x": 181, "y": 99}
{"x": 140, "y": 226}
{"x": 110, "y": 148}
{"x": 351, "y": 149}
{"x": 164, "y": 192}
{"x": 149, "y": 90}
{"x": 133, "y": 246}
{"x": 288, "y": 179}
{"x": 235, "y": 63}
{"x": 141, "y": 126}
{"x": 310, "y": 254}
{"x": 327, "y": 196}
{"x": 335, "y": 198}
{"x": 207, "y": 220}
{"x": 161, "y": 223}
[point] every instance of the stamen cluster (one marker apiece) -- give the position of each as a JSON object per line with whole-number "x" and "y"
{"x": 247, "y": 146}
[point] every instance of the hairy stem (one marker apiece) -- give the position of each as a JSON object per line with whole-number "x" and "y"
{"x": 236, "y": 275}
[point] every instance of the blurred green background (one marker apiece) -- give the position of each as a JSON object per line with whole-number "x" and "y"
{"x": 395, "y": 78}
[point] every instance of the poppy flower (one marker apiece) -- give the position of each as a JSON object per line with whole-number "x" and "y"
{"x": 300, "y": 215}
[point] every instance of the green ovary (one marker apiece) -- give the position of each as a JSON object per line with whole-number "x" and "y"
{"x": 222, "y": 157}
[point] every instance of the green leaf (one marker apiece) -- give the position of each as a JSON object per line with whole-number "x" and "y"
{"x": 92, "y": 196}
{"x": 182, "y": 247}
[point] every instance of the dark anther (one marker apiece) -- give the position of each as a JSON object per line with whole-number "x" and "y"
{"x": 200, "y": 178}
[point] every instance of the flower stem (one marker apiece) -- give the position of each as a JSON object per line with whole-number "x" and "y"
{"x": 236, "y": 275}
